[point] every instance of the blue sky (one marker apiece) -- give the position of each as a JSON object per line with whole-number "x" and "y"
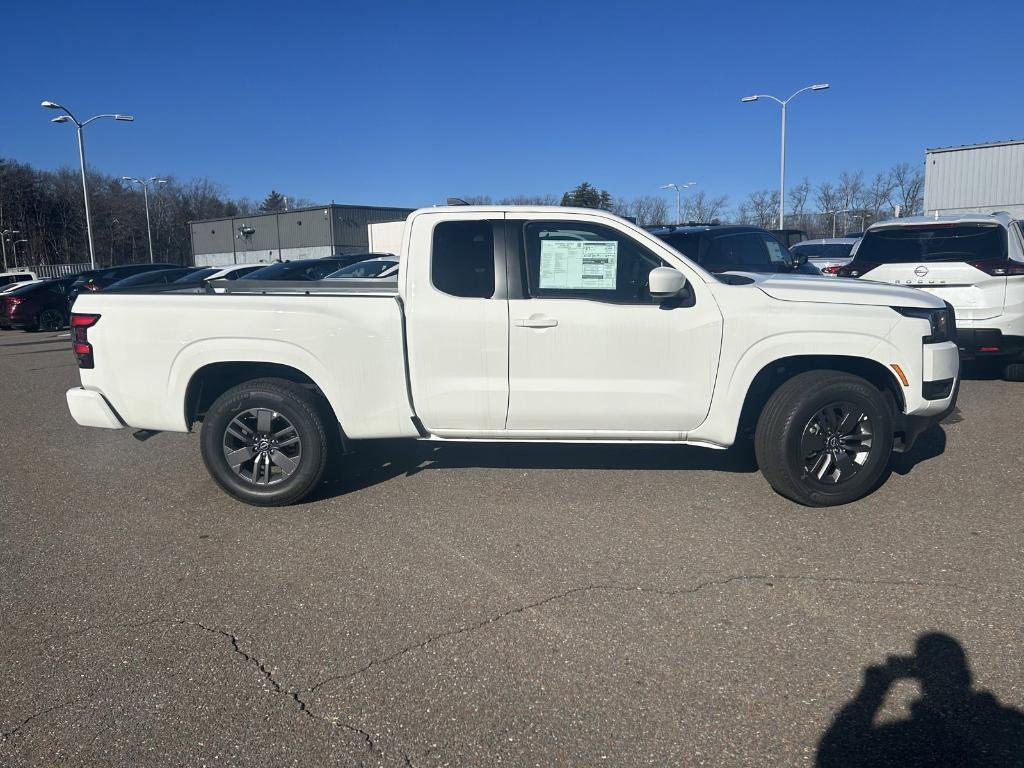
{"x": 405, "y": 103}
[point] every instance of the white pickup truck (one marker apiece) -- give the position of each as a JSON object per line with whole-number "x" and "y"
{"x": 525, "y": 324}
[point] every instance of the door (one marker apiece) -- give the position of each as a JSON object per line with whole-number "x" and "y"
{"x": 962, "y": 263}
{"x": 591, "y": 354}
{"x": 458, "y": 322}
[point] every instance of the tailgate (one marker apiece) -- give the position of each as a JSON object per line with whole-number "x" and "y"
{"x": 973, "y": 294}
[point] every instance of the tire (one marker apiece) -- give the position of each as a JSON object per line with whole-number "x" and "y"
{"x": 50, "y": 320}
{"x": 1014, "y": 372}
{"x": 244, "y": 423}
{"x": 845, "y": 417}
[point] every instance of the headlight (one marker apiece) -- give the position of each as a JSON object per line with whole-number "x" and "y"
{"x": 942, "y": 322}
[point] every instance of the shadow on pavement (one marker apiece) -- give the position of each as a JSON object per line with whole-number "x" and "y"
{"x": 929, "y": 445}
{"x": 378, "y": 461}
{"x": 951, "y": 724}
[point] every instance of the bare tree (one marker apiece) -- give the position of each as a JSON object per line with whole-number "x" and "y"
{"x": 907, "y": 188}
{"x": 702, "y": 207}
{"x": 760, "y": 208}
{"x": 645, "y": 210}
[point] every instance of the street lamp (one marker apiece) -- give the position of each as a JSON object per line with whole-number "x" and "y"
{"x": 678, "y": 188}
{"x": 66, "y": 117}
{"x": 834, "y": 214}
{"x": 782, "y": 160}
{"x": 145, "y": 196}
{"x": 4, "y": 237}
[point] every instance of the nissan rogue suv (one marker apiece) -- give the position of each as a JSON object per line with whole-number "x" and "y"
{"x": 973, "y": 261}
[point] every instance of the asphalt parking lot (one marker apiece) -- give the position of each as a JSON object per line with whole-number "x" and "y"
{"x": 498, "y": 605}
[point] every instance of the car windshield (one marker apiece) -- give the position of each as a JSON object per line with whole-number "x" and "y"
{"x": 823, "y": 250}
{"x": 938, "y": 242}
{"x": 364, "y": 269}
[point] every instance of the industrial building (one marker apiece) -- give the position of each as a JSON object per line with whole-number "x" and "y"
{"x": 302, "y": 233}
{"x": 975, "y": 178}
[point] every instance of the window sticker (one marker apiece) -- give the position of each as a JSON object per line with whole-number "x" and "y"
{"x": 578, "y": 264}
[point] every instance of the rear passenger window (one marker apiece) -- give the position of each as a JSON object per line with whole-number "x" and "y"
{"x": 744, "y": 249}
{"x": 462, "y": 259}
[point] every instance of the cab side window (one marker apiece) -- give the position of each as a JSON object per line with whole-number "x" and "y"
{"x": 462, "y": 259}
{"x": 738, "y": 250}
{"x": 574, "y": 260}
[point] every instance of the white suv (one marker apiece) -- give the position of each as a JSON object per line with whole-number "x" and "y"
{"x": 973, "y": 261}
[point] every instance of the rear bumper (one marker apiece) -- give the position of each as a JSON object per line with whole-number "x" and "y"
{"x": 988, "y": 342}
{"x": 91, "y": 409}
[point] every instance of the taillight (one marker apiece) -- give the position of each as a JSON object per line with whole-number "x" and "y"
{"x": 13, "y": 301}
{"x": 80, "y": 325}
{"x": 91, "y": 286}
{"x": 999, "y": 267}
{"x": 833, "y": 270}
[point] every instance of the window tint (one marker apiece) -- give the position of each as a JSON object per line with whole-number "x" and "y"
{"x": 743, "y": 249}
{"x": 575, "y": 260}
{"x": 941, "y": 242}
{"x": 462, "y": 259}
{"x": 687, "y": 244}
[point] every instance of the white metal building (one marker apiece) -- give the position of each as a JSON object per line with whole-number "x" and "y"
{"x": 975, "y": 177}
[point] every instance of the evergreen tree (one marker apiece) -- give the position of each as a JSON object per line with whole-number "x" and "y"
{"x": 587, "y": 196}
{"x": 273, "y": 202}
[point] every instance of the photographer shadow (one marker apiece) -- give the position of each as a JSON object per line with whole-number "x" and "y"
{"x": 950, "y": 724}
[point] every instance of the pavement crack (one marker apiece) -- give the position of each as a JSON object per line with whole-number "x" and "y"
{"x": 494, "y": 619}
{"x": 5, "y": 735}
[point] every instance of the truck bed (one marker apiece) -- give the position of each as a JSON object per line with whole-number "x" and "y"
{"x": 348, "y": 339}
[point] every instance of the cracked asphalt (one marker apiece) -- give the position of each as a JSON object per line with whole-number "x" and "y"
{"x": 480, "y": 605}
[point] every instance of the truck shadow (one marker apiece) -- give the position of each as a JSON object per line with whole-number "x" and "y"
{"x": 952, "y": 723}
{"x": 378, "y": 461}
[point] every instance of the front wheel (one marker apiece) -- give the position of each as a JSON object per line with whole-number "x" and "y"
{"x": 265, "y": 442}
{"x": 824, "y": 438}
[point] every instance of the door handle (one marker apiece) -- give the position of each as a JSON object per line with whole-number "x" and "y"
{"x": 536, "y": 321}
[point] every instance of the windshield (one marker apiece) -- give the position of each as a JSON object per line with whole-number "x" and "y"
{"x": 364, "y": 269}
{"x": 823, "y": 250}
{"x": 939, "y": 242}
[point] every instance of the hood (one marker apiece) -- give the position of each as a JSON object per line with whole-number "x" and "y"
{"x": 843, "y": 290}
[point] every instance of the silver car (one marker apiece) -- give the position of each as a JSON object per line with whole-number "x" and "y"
{"x": 827, "y": 255}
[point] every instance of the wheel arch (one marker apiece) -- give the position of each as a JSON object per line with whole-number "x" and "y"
{"x": 776, "y": 373}
{"x": 210, "y": 381}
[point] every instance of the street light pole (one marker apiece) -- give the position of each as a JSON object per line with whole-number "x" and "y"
{"x": 782, "y": 153}
{"x": 145, "y": 196}
{"x": 679, "y": 205}
{"x": 834, "y": 214}
{"x": 3, "y": 244}
{"x": 67, "y": 116}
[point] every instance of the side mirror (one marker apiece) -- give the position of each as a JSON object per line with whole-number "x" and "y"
{"x": 666, "y": 282}
{"x": 799, "y": 258}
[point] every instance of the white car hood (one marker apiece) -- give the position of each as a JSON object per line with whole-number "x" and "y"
{"x": 842, "y": 290}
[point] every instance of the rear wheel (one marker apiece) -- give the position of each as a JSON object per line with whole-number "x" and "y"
{"x": 1014, "y": 372}
{"x": 265, "y": 442}
{"x": 50, "y": 320}
{"x": 824, "y": 438}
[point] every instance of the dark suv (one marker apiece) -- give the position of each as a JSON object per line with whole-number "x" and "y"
{"x": 733, "y": 248}
{"x": 98, "y": 279}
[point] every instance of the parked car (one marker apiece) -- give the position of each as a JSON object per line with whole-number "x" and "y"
{"x": 525, "y": 323}
{"x": 789, "y": 237}
{"x": 99, "y": 279}
{"x": 234, "y": 271}
{"x": 307, "y": 269}
{"x": 38, "y": 306}
{"x": 974, "y": 261}
{"x": 733, "y": 248}
{"x": 827, "y": 255}
{"x": 382, "y": 266}
{"x": 151, "y": 279}
{"x": 19, "y": 276}
{"x": 14, "y": 286}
